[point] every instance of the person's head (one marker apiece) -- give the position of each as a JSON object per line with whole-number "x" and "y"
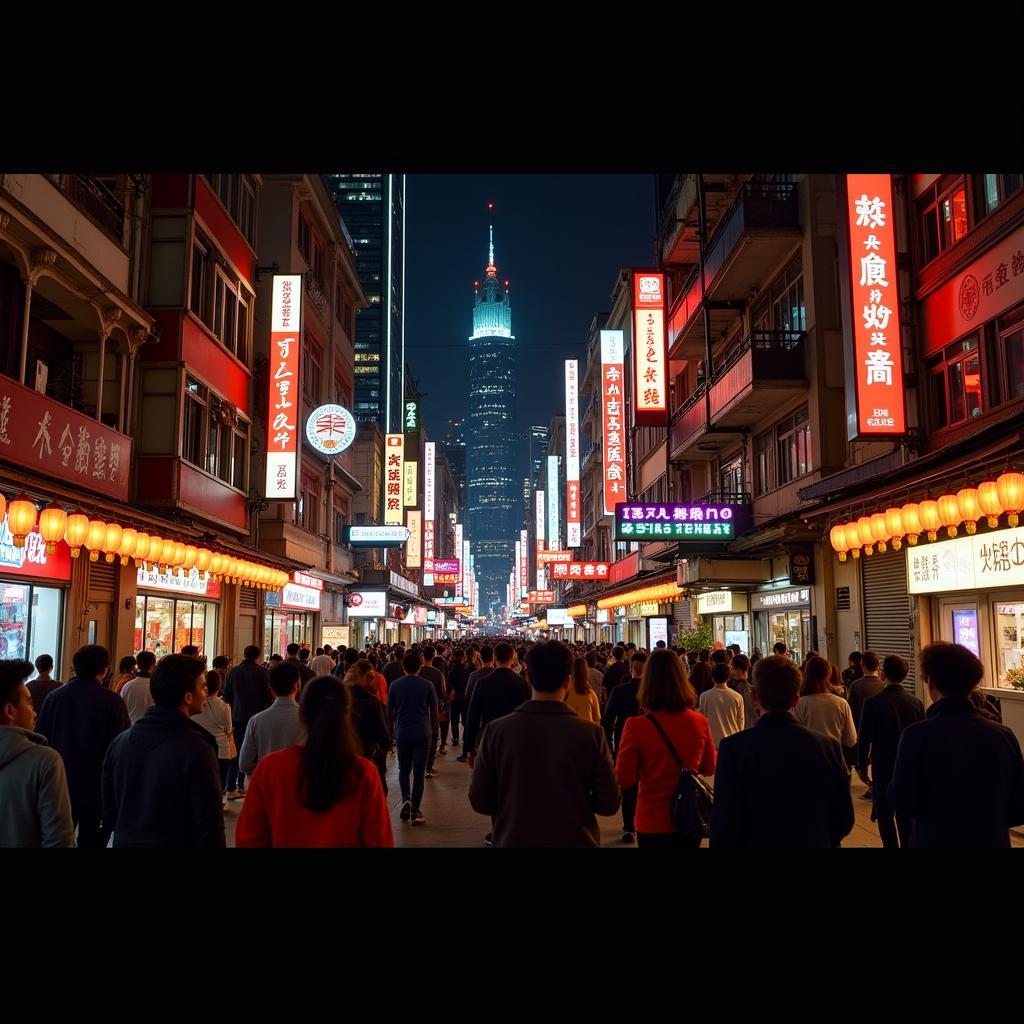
{"x": 591, "y": 658}
{"x": 412, "y": 663}
{"x": 221, "y": 662}
{"x": 869, "y": 663}
{"x": 720, "y": 673}
{"x": 835, "y": 677}
{"x": 429, "y": 653}
{"x": 549, "y": 665}
{"x": 660, "y": 645}
{"x": 328, "y": 650}
{"x": 252, "y": 653}
{"x": 304, "y": 654}
{"x": 292, "y": 650}
{"x": 704, "y": 655}
{"x": 373, "y": 660}
{"x": 459, "y": 656}
{"x": 779, "y": 649}
{"x": 486, "y": 654}
{"x": 91, "y": 661}
{"x": 817, "y": 674}
{"x": 691, "y": 657}
{"x": 950, "y": 670}
{"x": 179, "y": 682}
{"x": 212, "y": 683}
{"x": 15, "y": 701}
{"x": 636, "y": 665}
{"x": 665, "y": 685}
{"x": 330, "y": 766}
{"x": 618, "y": 653}
{"x": 351, "y": 657}
{"x": 894, "y": 668}
{"x": 44, "y": 664}
{"x": 319, "y": 651}
{"x": 740, "y": 664}
{"x": 854, "y": 659}
{"x": 504, "y": 654}
{"x": 284, "y": 678}
{"x": 126, "y": 666}
{"x": 190, "y": 651}
{"x": 777, "y": 683}
{"x": 733, "y": 649}
{"x": 274, "y": 659}
{"x": 580, "y": 679}
{"x": 360, "y": 674}
{"x": 720, "y": 656}
{"x": 145, "y": 661}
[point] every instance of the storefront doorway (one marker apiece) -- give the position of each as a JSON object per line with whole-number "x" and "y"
{"x": 783, "y": 616}
{"x": 164, "y": 625}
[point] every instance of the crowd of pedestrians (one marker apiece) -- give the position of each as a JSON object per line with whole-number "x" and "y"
{"x": 745, "y": 752}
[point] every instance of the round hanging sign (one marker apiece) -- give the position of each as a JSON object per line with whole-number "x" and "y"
{"x": 330, "y": 429}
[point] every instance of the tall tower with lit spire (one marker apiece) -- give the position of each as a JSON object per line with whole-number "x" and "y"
{"x": 493, "y": 501}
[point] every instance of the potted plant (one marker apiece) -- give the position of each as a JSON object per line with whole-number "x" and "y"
{"x": 1015, "y": 677}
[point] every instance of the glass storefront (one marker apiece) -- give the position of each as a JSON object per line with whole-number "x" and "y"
{"x": 282, "y": 627}
{"x": 31, "y": 620}
{"x": 164, "y": 625}
{"x": 783, "y": 616}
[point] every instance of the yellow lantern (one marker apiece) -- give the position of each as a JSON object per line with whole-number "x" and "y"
{"x": 129, "y": 538}
{"x": 112, "y": 542}
{"x": 949, "y": 513}
{"x": 3, "y": 507}
{"x": 865, "y": 534}
{"x": 1010, "y": 488}
{"x": 95, "y": 538}
{"x": 75, "y": 532}
{"x": 229, "y": 565}
{"x": 928, "y": 510}
{"x": 21, "y": 519}
{"x": 894, "y": 521}
{"x": 879, "y": 530}
{"x": 167, "y": 552}
{"x": 191, "y": 553}
{"x": 910, "y": 515}
{"x": 970, "y": 509}
{"x": 179, "y": 553}
{"x": 203, "y": 558}
{"x": 53, "y": 521}
{"x": 988, "y": 499}
{"x": 837, "y": 537}
{"x": 142, "y": 546}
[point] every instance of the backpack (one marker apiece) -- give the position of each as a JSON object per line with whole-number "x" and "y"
{"x": 693, "y": 799}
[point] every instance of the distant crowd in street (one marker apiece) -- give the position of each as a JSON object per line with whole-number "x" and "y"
{"x": 745, "y": 751}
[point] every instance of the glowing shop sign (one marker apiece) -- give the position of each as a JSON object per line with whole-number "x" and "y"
{"x": 330, "y": 429}
{"x": 393, "y": 480}
{"x": 612, "y": 406}
{"x": 283, "y": 377}
{"x": 650, "y": 351}
{"x": 572, "y": 454}
{"x": 674, "y": 521}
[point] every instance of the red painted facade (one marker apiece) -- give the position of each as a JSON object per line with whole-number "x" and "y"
{"x": 209, "y": 360}
{"x": 221, "y": 226}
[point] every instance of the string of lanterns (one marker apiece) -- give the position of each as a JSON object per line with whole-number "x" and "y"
{"x": 989, "y": 500}
{"x": 116, "y": 542}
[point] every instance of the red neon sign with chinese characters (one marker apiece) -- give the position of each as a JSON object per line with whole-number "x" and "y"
{"x": 393, "y": 480}
{"x": 579, "y": 571}
{"x": 283, "y": 376}
{"x": 612, "y": 406}
{"x": 650, "y": 353}
{"x": 878, "y": 350}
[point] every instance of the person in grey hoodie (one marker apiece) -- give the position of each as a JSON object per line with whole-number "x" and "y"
{"x": 33, "y": 784}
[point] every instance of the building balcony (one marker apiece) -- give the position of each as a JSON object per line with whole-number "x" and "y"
{"x": 588, "y": 456}
{"x": 97, "y": 200}
{"x": 587, "y": 404}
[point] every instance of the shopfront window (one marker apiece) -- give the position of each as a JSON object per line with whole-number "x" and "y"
{"x": 30, "y": 621}
{"x": 1009, "y": 619}
{"x": 281, "y": 628}
{"x": 164, "y": 625}
{"x": 955, "y": 382}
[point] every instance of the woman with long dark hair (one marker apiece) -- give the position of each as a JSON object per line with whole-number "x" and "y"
{"x": 321, "y": 792}
{"x": 820, "y": 709}
{"x": 581, "y": 696}
{"x": 368, "y": 717}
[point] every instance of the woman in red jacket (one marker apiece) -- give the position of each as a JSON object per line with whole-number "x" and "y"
{"x": 320, "y": 792}
{"x": 666, "y": 695}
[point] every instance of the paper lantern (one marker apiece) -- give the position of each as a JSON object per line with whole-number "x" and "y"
{"x": 864, "y": 532}
{"x": 53, "y": 521}
{"x": 191, "y": 553}
{"x": 112, "y": 541}
{"x": 988, "y": 499}
{"x": 910, "y": 515}
{"x": 75, "y": 532}
{"x": 95, "y": 538}
{"x": 167, "y": 552}
{"x": 970, "y": 509}
{"x": 141, "y": 552}
{"x": 179, "y": 553}
{"x": 217, "y": 565}
{"x": 949, "y": 513}
{"x": 3, "y": 507}
{"x": 879, "y": 530}
{"x": 1010, "y": 488}
{"x": 928, "y": 510}
{"x": 21, "y": 519}
{"x": 837, "y": 537}
{"x": 894, "y": 521}
{"x": 129, "y": 538}
{"x": 203, "y": 558}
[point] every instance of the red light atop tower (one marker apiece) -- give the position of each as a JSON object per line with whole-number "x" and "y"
{"x": 476, "y": 284}
{"x": 506, "y": 284}
{"x": 490, "y": 206}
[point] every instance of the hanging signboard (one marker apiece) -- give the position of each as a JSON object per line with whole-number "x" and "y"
{"x": 572, "y": 454}
{"x": 676, "y": 521}
{"x": 414, "y": 547}
{"x": 650, "y": 352}
{"x": 579, "y": 571}
{"x": 612, "y": 406}
{"x": 283, "y": 386}
{"x": 330, "y": 429}
{"x": 552, "y": 492}
{"x": 393, "y": 480}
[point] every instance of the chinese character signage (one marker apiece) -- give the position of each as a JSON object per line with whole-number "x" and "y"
{"x": 32, "y": 559}
{"x": 458, "y": 549}
{"x": 579, "y": 571}
{"x": 572, "y": 454}
{"x": 540, "y": 520}
{"x": 524, "y": 562}
{"x": 414, "y": 548}
{"x": 878, "y": 354}
{"x": 552, "y": 501}
{"x": 612, "y": 406}
{"x": 409, "y": 484}
{"x": 550, "y": 557}
{"x": 305, "y": 580}
{"x": 283, "y": 377}
{"x": 637, "y": 521}
{"x": 650, "y": 354}
{"x": 199, "y": 584}
{"x": 447, "y": 572}
{"x": 367, "y": 604}
{"x": 411, "y": 420}
{"x": 983, "y": 561}
{"x": 40, "y": 434}
{"x": 376, "y": 536}
{"x": 540, "y": 597}
{"x": 428, "y": 482}
{"x": 393, "y": 480}
{"x": 330, "y": 429}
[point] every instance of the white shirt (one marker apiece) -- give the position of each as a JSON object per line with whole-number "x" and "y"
{"x": 828, "y": 714}
{"x": 322, "y": 664}
{"x": 215, "y": 718}
{"x": 137, "y": 697}
{"x": 723, "y": 708}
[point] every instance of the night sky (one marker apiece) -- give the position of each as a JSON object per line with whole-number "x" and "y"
{"x": 559, "y": 240}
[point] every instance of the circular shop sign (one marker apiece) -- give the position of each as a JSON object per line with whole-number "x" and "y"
{"x": 330, "y": 429}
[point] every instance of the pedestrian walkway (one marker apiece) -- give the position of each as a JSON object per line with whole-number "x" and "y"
{"x": 451, "y": 822}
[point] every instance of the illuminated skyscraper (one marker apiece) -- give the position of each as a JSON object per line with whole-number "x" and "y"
{"x": 493, "y": 500}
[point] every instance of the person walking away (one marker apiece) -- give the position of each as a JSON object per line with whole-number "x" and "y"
{"x": 215, "y": 718}
{"x": 867, "y": 685}
{"x": 458, "y": 682}
{"x": 435, "y": 676}
{"x": 581, "y": 696}
{"x": 700, "y": 674}
{"x": 323, "y": 663}
{"x": 278, "y": 726}
{"x": 412, "y": 712}
{"x": 596, "y": 677}
{"x": 137, "y": 697}
{"x": 617, "y": 672}
{"x": 542, "y": 772}
{"x": 958, "y": 777}
{"x": 79, "y": 720}
{"x": 739, "y": 680}
{"x": 485, "y": 669}
{"x": 161, "y": 784}
{"x": 722, "y": 706}
{"x": 44, "y": 683}
{"x": 145, "y": 662}
{"x": 496, "y": 694}
{"x": 623, "y": 704}
{"x": 294, "y": 652}
{"x": 320, "y": 792}
{"x": 394, "y": 667}
{"x": 821, "y": 710}
{"x": 651, "y": 759}
{"x": 835, "y": 682}
{"x": 247, "y": 690}
{"x": 125, "y": 672}
{"x": 368, "y": 718}
{"x": 780, "y": 785}
{"x": 379, "y": 683}
{"x": 853, "y": 669}
{"x": 33, "y": 784}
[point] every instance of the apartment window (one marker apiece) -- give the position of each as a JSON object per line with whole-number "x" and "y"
{"x": 213, "y": 437}
{"x": 247, "y": 210}
{"x": 793, "y": 447}
{"x": 942, "y": 217}
{"x": 306, "y": 510}
{"x": 764, "y": 462}
{"x": 782, "y": 307}
{"x": 1010, "y": 334}
{"x": 954, "y": 383}
{"x": 304, "y": 237}
{"x": 339, "y": 527}
{"x": 231, "y": 315}
{"x": 994, "y": 189}
{"x": 311, "y": 372}
{"x": 730, "y": 477}
{"x": 192, "y": 446}
{"x": 197, "y": 293}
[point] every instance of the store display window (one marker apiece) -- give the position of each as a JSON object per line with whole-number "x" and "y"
{"x": 31, "y": 621}
{"x": 1009, "y": 620}
{"x": 164, "y": 625}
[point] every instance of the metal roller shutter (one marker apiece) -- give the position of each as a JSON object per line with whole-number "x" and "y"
{"x": 888, "y": 625}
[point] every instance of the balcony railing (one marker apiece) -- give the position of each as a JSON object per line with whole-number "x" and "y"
{"x": 317, "y": 293}
{"x": 102, "y": 206}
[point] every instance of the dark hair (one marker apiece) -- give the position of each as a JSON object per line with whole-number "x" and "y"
{"x": 779, "y": 648}
{"x": 951, "y": 668}
{"x": 351, "y": 657}
{"x": 720, "y": 672}
{"x": 895, "y": 668}
{"x": 360, "y": 674}
{"x": 13, "y": 674}
{"x": 740, "y": 663}
{"x": 665, "y": 686}
{"x": 776, "y": 682}
{"x": 429, "y": 653}
{"x": 304, "y": 654}
{"x": 292, "y": 650}
{"x": 330, "y": 766}
{"x": 319, "y": 651}
{"x": 274, "y": 659}
{"x": 817, "y": 676}
{"x": 89, "y": 661}
{"x": 175, "y": 676}
{"x": 720, "y": 657}
{"x": 144, "y": 661}
{"x": 221, "y": 661}
{"x": 126, "y": 664}
{"x": 637, "y": 659}
{"x": 252, "y": 651}
{"x": 458, "y": 654}
{"x": 283, "y": 678}
{"x": 548, "y": 664}
{"x": 212, "y": 681}
{"x": 618, "y": 653}
{"x": 412, "y": 662}
{"x": 503, "y": 652}
{"x": 869, "y": 661}
{"x": 44, "y": 663}
{"x": 855, "y": 657}
{"x": 580, "y": 679}
{"x": 703, "y": 654}
{"x": 487, "y": 653}
{"x": 591, "y": 657}
{"x": 190, "y": 651}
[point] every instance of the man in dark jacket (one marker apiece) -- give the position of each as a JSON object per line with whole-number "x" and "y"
{"x": 295, "y": 652}
{"x": 458, "y": 681}
{"x": 161, "y": 783}
{"x": 624, "y": 704}
{"x": 497, "y": 694}
{"x": 543, "y": 772}
{"x": 869, "y": 685}
{"x": 882, "y": 722}
{"x": 485, "y": 669}
{"x": 958, "y": 776}
{"x": 779, "y": 785}
{"x": 80, "y": 719}
{"x": 436, "y": 677}
{"x": 247, "y": 690}
{"x": 617, "y": 672}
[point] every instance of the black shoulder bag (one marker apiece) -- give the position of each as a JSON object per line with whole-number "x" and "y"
{"x": 693, "y": 799}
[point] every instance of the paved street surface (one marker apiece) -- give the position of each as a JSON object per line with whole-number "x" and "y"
{"x": 451, "y": 822}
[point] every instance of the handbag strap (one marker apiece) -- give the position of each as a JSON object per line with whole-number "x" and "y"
{"x": 664, "y": 736}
